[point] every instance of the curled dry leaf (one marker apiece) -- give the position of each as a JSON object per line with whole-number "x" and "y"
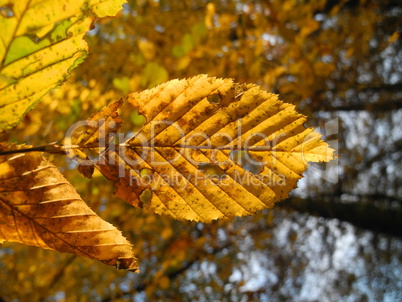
{"x": 39, "y": 207}
{"x": 210, "y": 148}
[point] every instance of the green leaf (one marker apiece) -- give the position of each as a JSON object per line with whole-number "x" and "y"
{"x": 122, "y": 83}
{"x": 153, "y": 74}
{"x": 41, "y": 42}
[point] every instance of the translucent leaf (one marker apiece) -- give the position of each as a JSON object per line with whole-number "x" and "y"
{"x": 41, "y": 42}
{"x": 211, "y": 149}
{"x": 39, "y": 207}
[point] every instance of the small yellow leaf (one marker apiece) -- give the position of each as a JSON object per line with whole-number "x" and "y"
{"x": 210, "y": 13}
{"x": 394, "y": 37}
{"x": 309, "y": 26}
{"x": 39, "y": 207}
{"x": 164, "y": 282}
{"x": 147, "y": 49}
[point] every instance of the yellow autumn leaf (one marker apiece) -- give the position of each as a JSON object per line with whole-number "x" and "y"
{"x": 39, "y": 207}
{"x": 41, "y": 42}
{"x": 210, "y": 148}
{"x": 394, "y": 37}
{"x": 147, "y": 49}
{"x": 309, "y": 27}
{"x": 210, "y": 13}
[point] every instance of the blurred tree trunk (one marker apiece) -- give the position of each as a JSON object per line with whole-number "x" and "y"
{"x": 377, "y": 213}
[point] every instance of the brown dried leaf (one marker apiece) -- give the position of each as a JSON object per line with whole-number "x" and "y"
{"x": 210, "y": 149}
{"x": 39, "y": 207}
{"x": 95, "y": 136}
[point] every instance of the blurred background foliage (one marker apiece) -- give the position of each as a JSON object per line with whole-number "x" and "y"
{"x": 338, "y": 61}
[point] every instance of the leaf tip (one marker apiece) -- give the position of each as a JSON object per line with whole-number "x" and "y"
{"x": 127, "y": 263}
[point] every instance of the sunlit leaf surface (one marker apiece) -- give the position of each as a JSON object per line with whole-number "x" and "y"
{"x": 40, "y": 43}
{"x": 39, "y": 207}
{"x": 210, "y": 148}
